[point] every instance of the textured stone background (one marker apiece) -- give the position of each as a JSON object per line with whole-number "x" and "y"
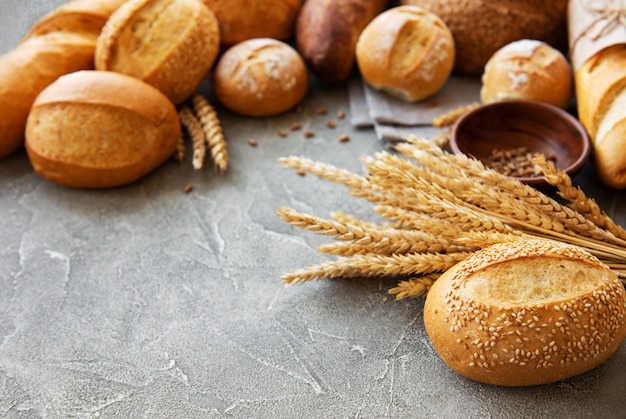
{"x": 144, "y": 301}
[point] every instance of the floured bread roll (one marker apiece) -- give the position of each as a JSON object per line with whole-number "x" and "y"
{"x": 240, "y": 20}
{"x": 260, "y": 77}
{"x": 171, "y": 45}
{"x": 526, "y": 313}
{"x": 407, "y": 52}
{"x": 528, "y": 69}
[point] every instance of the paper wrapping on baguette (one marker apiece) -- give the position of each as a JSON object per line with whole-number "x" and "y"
{"x": 592, "y": 26}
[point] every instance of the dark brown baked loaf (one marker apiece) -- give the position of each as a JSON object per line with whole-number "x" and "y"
{"x": 327, "y": 32}
{"x": 481, "y": 27}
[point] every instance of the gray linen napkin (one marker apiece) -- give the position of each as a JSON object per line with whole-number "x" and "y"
{"x": 393, "y": 119}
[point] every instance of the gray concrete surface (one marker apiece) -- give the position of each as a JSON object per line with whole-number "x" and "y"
{"x": 147, "y": 302}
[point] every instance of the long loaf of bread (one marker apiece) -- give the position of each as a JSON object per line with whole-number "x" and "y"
{"x": 601, "y": 96}
{"x": 61, "y": 42}
{"x": 327, "y": 32}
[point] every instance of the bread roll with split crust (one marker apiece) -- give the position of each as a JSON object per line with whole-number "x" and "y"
{"x": 528, "y": 70}
{"x": 100, "y": 129}
{"x": 526, "y": 313}
{"x": 170, "y": 45}
{"x": 260, "y": 77}
{"x": 407, "y": 52}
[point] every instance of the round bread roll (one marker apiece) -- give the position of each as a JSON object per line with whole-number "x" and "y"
{"x": 526, "y": 313}
{"x": 96, "y": 129}
{"x": 260, "y": 77}
{"x": 170, "y": 45}
{"x": 481, "y": 27}
{"x": 528, "y": 69}
{"x": 407, "y": 52}
{"x": 240, "y": 20}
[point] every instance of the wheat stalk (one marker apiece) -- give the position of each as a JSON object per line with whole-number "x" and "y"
{"x": 212, "y": 129}
{"x": 191, "y": 123}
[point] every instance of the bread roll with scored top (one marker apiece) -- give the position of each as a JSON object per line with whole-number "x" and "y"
{"x": 97, "y": 129}
{"x": 407, "y": 52}
{"x": 170, "y": 45}
{"x": 526, "y": 313}
{"x": 601, "y": 98}
{"x": 240, "y": 20}
{"x": 528, "y": 69}
{"x": 61, "y": 42}
{"x": 481, "y": 27}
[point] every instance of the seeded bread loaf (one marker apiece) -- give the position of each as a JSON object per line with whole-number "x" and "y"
{"x": 526, "y": 313}
{"x": 327, "y": 32}
{"x": 407, "y": 52}
{"x": 59, "y": 43}
{"x": 481, "y": 27}
{"x": 169, "y": 45}
{"x": 100, "y": 129}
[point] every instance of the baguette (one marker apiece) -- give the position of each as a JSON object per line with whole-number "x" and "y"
{"x": 526, "y": 313}
{"x": 601, "y": 96}
{"x": 62, "y": 42}
{"x": 327, "y": 32}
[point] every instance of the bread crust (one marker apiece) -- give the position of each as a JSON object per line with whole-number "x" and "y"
{"x": 67, "y": 144}
{"x": 240, "y": 20}
{"x": 169, "y": 44}
{"x": 327, "y": 32}
{"x": 406, "y": 51}
{"x": 481, "y": 27}
{"x": 260, "y": 77}
{"x": 526, "y": 313}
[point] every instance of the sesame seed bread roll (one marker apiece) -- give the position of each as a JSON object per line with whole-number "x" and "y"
{"x": 170, "y": 45}
{"x": 601, "y": 97}
{"x": 526, "y": 313}
{"x": 481, "y": 27}
{"x": 530, "y": 70}
{"x": 240, "y": 20}
{"x": 260, "y": 77}
{"x": 100, "y": 129}
{"x": 407, "y": 52}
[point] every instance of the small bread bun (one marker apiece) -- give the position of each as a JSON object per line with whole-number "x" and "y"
{"x": 407, "y": 52}
{"x": 170, "y": 45}
{"x": 528, "y": 69}
{"x": 99, "y": 129}
{"x": 241, "y": 20}
{"x": 481, "y": 27}
{"x": 260, "y": 77}
{"x": 526, "y": 313}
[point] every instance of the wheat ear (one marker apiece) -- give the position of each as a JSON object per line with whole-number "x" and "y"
{"x": 212, "y": 131}
{"x": 191, "y": 123}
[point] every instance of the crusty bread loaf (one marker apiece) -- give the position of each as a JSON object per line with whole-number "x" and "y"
{"x": 526, "y": 313}
{"x": 59, "y": 43}
{"x": 601, "y": 98}
{"x": 327, "y": 32}
{"x": 170, "y": 45}
{"x": 528, "y": 69}
{"x": 260, "y": 77}
{"x": 240, "y": 20}
{"x": 481, "y": 27}
{"x": 407, "y": 52}
{"x": 97, "y": 129}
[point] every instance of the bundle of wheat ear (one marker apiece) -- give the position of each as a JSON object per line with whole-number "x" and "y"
{"x": 437, "y": 209}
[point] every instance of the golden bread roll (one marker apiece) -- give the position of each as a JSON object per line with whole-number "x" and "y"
{"x": 260, "y": 77}
{"x": 59, "y": 43}
{"x": 601, "y": 98}
{"x": 528, "y": 69}
{"x": 327, "y": 32}
{"x": 97, "y": 129}
{"x": 240, "y": 20}
{"x": 169, "y": 45}
{"x": 407, "y": 52}
{"x": 525, "y": 313}
{"x": 481, "y": 27}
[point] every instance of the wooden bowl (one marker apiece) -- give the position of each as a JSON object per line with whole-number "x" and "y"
{"x": 512, "y": 126}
